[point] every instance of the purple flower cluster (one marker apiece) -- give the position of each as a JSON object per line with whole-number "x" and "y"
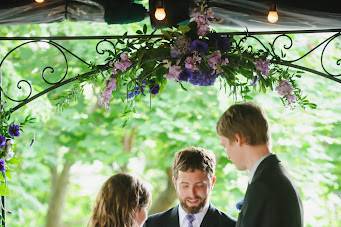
{"x": 285, "y": 89}
{"x": 121, "y": 65}
{"x": 202, "y": 19}
{"x": 14, "y": 130}
{"x": 2, "y": 165}
{"x": 263, "y": 67}
{"x": 215, "y": 61}
{"x": 107, "y": 93}
{"x": 198, "y": 78}
{"x": 154, "y": 88}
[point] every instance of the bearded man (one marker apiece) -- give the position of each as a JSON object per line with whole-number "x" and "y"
{"x": 193, "y": 178}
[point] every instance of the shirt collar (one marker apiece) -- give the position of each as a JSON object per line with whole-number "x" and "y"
{"x": 198, "y": 216}
{"x": 255, "y": 166}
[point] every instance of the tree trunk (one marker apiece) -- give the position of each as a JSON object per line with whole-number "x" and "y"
{"x": 58, "y": 193}
{"x": 166, "y": 198}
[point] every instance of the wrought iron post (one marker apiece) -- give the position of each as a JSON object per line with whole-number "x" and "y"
{"x": 3, "y": 209}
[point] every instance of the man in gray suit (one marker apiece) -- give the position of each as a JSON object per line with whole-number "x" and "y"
{"x": 193, "y": 178}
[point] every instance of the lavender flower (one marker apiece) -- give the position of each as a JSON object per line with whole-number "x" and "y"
{"x": 263, "y": 67}
{"x": 2, "y": 141}
{"x": 284, "y": 88}
{"x": 107, "y": 93}
{"x": 290, "y": 98}
{"x": 2, "y": 165}
{"x": 219, "y": 41}
{"x": 14, "y": 130}
{"x": 191, "y": 63}
{"x": 199, "y": 46}
{"x": 215, "y": 61}
{"x": 174, "y": 72}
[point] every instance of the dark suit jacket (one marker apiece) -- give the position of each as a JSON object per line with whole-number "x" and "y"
{"x": 270, "y": 199}
{"x": 170, "y": 218}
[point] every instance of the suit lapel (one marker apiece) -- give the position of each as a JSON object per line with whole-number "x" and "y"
{"x": 174, "y": 218}
{"x": 209, "y": 219}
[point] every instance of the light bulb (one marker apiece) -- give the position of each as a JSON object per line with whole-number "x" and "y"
{"x": 160, "y": 13}
{"x": 273, "y": 16}
{"x": 39, "y": 1}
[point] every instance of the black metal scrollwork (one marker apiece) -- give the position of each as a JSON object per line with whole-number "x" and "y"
{"x": 278, "y": 54}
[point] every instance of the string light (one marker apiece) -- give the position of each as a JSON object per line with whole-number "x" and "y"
{"x": 39, "y": 1}
{"x": 160, "y": 13}
{"x": 273, "y": 14}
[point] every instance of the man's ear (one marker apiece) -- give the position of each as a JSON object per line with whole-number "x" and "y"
{"x": 214, "y": 179}
{"x": 174, "y": 182}
{"x": 239, "y": 139}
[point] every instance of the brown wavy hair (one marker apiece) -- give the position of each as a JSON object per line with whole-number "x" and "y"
{"x": 119, "y": 198}
{"x": 194, "y": 158}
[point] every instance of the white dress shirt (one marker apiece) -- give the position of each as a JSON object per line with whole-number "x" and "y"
{"x": 198, "y": 216}
{"x": 255, "y": 166}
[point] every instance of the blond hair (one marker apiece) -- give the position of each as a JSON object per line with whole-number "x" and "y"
{"x": 247, "y": 120}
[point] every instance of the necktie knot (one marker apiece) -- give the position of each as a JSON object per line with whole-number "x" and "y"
{"x": 190, "y": 218}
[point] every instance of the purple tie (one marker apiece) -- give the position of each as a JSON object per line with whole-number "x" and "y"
{"x": 190, "y": 218}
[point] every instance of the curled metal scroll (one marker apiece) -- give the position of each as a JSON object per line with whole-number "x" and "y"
{"x": 103, "y": 51}
{"x": 46, "y": 71}
{"x": 278, "y": 53}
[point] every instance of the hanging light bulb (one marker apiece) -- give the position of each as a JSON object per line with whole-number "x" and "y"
{"x": 160, "y": 13}
{"x": 273, "y": 14}
{"x": 39, "y": 1}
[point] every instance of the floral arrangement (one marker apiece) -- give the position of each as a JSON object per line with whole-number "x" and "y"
{"x": 8, "y": 133}
{"x": 196, "y": 54}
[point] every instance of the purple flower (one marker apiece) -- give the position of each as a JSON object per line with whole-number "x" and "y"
{"x": 185, "y": 75}
{"x": 107, "y": 93}
{"x": 154, "y": 88}
{"x": 263, "y": 67}
{"x": 2, "y": 165}
{"x": 174, "y": 72}
{"x": 191, "y": 63}
{"x": 290, "y": 98}
{"x": 2, "y": 141}
{"x": 137, "y": 90}
{"x": 124, "y": 63}
{"x": 202, "y": 78}
{"x": 284, "y": 88}
{"x": 199, "y": 46}
{"x": 203, "y": 29}
{"x": 14, "y": 130}
{"x": 214, "y": 60}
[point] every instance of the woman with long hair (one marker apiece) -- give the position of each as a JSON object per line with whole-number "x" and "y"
{"x": 122, "y": 202}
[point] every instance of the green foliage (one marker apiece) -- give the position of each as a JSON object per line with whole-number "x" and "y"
{"x": 307, "y": 141}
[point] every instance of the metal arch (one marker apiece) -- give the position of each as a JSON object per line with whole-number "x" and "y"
{"x": 271, "y": 49}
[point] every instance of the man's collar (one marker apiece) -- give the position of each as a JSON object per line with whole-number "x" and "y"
{"x": 255, "y": 165}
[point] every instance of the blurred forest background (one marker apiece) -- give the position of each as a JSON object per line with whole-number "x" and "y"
{"x": 78, "y": 145}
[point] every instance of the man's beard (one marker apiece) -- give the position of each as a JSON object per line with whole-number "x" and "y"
{"x": 192, "y": 209}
